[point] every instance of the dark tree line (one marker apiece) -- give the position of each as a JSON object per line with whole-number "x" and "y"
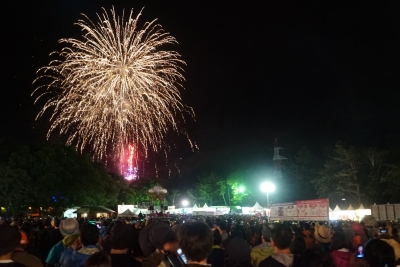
{"x": 355, "y": 174}
{"x": 360, "y": 174}
{"x": 57, "y": 176}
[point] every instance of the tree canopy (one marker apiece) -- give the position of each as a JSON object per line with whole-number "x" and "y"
{"x": 57, "y": 176}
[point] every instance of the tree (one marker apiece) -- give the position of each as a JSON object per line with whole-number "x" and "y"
{"x": 392, "y": 179}
{"x": 237, "y": 187}
{"x": 379, "y": 171}
{"x": 56, "y": 176}
{"x": 207, "y": 188}
{"x": 222, "y": 189}
{"x": 174, "y": 193}
{"x": 14, "y": 187}
{"x": 193, "y": 195}
{"x": 299, "y": 174}
{"x": 384, "y": 174}
{"x": 125, "y": 192}
{"x": 341, "y": 175}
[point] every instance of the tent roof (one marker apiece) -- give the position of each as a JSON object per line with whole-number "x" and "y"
{"x": 361, "y": 207}
{"x": 99, "y": 209}
{"x": 350, "y": 207}
{"x": 336, "y": 208}
{"x": 128, "y": 212}
{"x": 205, "y": 205}
{"x": 257, "y": 206}
{"x": 195, "y": 206}
{"x": 82, "y": 210}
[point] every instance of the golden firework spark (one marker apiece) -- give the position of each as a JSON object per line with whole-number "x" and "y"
{"x": 114, "y": 87}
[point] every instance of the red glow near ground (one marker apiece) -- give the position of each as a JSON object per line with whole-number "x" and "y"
{"x": 128, "y": 166}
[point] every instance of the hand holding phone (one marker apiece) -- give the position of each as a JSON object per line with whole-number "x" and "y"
{"x": 182, "y": 256}
{"x": 176, "y": 260}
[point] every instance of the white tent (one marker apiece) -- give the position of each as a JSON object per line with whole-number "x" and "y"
{"x": 205, "y": 206}
{"x": 257, "y": 206}
{"x": 337, "y": 208}
{"x": 335, "y": 213}
{"x": 361, "y": 212}
{"x": 127, "y": 213}
{"x": 195, "y": 206}
{"x": 349, "y": 214}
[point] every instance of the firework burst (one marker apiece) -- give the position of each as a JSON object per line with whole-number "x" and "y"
{"x": 114, "y": 87}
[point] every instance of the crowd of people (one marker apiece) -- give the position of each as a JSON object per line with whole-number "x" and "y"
{"x": 195, "y": 242}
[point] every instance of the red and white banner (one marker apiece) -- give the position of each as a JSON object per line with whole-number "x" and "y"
{"x": 303, "y": 210}
{"x": 315, "y": 210}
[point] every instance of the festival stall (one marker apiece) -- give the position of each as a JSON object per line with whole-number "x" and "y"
{"x": 70, "y": 213}
{"x": 301, "y": 210}
{"x": 93, "y": 212}
{"x": 349, "y": 213}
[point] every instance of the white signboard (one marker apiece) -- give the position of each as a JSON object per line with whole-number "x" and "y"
{"x": 303, "y": 210}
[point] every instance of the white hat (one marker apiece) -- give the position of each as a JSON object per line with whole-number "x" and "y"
{"x": 322, "y": 234}
{"x": 69, "y": 227}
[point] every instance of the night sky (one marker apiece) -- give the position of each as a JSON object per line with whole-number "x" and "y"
{"x": 308, "y": 74}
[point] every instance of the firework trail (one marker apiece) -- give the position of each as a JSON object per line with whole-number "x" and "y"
{"x": 115, "y": 87}
{"x": 131, "y": 170}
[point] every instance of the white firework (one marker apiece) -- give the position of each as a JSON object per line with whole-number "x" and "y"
{"x": 115, "y": 86}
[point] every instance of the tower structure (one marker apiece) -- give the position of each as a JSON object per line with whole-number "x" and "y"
{"x": 277, "y": 160}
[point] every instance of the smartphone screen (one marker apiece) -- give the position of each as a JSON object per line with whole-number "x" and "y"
{"x": 360, "y": 252}
{"x": 383, "y": 231}
{"x": 175, "y": 260}
{"x": 183, "y": 257}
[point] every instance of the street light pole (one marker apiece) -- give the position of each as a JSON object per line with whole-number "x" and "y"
{"x": 184, "y": 204}
{"x": 268, "y": 187}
